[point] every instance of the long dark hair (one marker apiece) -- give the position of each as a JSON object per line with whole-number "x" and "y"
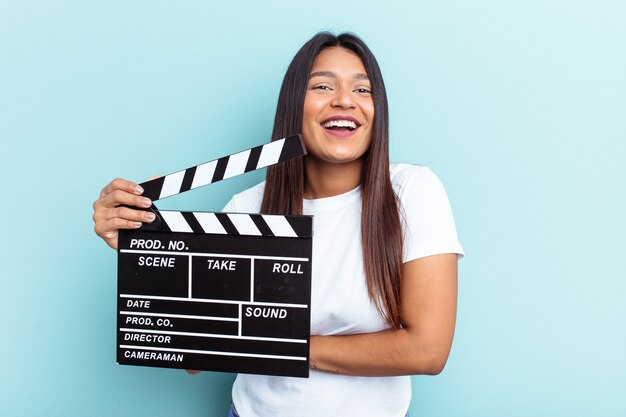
{"x": 380, "y": 219}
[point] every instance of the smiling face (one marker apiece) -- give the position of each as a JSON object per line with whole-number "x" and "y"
{"x": 338, "y": 114}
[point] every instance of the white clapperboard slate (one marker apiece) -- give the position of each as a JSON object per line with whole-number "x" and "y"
{"x": 226, "y": 292}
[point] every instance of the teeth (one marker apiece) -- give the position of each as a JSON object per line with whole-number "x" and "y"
{"x": 340, "y": 123}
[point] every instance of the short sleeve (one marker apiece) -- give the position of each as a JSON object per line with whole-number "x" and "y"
{"x": 428, "y": 223}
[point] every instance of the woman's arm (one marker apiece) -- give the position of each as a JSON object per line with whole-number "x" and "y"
{"x": 428, "y": 298}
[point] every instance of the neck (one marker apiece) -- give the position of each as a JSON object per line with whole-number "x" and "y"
{"x": 323, "y": 179}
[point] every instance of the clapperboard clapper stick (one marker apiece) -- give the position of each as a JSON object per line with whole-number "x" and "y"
{"x": 227, "y": 292}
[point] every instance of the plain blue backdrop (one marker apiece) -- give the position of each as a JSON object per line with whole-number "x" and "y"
{"x": 518, "y": 106}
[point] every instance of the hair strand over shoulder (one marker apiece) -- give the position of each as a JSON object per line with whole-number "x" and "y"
{"x": 381, "y": 229}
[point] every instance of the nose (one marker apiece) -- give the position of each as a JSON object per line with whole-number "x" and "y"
{"x": 342, "y": 99}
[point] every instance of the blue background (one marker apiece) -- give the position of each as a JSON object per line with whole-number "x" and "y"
{"x": 518, "y": 106}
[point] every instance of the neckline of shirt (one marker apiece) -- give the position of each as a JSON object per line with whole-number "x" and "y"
{"x": 332, "y": 202}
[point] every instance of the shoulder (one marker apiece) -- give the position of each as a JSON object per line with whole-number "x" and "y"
{"x": 409, "y": 178}
{"x": 402, "y": 172}
{"x": 419, "y": 191}
{"x": 247, "y": 201}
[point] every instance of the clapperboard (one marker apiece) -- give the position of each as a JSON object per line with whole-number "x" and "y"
{"x": 226, "y": 292}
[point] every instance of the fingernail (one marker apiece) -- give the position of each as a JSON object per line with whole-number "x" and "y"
{"x": 146, "y": 202}
{"x": 138, "y": 189}
{"x": 150, "y": 216}
{"x": 136, "y": 224}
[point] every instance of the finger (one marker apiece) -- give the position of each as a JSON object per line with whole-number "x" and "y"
{"x": 107, "y": 229}
{"x": 111, "y": 239}
{"x": 154, "y": 177}
{"x": 130, "y": 214}
{"x": 119, "y": 197}
{"x": 122, "y": 184}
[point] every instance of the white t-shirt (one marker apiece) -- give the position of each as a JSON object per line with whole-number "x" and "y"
{"x": 340, "y": 303}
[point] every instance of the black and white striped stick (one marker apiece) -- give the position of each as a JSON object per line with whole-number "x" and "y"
{"x": 235, "y": 224}
{"x": 225, "y": 167}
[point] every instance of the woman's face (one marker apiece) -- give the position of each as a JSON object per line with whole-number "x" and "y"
{"x": 338, "y": 108}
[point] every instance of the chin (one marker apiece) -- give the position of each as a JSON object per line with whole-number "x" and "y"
{"x": 342, "y": 159}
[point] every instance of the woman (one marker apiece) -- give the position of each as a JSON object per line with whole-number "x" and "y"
{"x": 385, "y": 247}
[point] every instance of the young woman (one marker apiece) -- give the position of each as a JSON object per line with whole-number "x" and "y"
{"x": 384, "y": 283}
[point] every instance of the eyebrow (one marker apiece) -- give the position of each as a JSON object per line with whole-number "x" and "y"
{"x": 330, "y": 74}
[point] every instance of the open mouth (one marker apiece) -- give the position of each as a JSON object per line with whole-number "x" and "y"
{"x": 340, "y": 125}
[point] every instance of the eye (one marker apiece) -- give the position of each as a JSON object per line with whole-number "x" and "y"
{"x": 363, "y": 90}
{"x": 322, "y": 87}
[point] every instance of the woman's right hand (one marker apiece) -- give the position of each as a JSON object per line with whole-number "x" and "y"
{"x": 109, "y": 215}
